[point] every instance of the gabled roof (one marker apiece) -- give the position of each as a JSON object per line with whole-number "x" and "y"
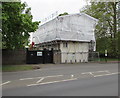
{"x": 80, "y": 15}
{"x": 94, "y": 19}
{"x": 70, "y": 28}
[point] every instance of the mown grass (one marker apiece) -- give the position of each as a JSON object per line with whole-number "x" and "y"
{"x": 10, "y": 68}
{"x": 108, "y": 59}
{"x": 104, "y": 59}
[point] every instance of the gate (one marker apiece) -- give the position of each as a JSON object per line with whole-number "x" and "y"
{"x": 47, "y": 56}
{"x": 39, "y": 56}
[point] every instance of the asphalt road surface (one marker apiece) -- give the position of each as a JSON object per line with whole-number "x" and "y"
{"x": 89, "y": 79}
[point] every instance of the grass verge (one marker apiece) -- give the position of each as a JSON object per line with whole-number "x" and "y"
{"x": 10, "y": 68}
{"x": 105, "y": 59}
{"x": 109, "y": 59}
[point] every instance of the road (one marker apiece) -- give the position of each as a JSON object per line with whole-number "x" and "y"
{"x": 89, "y": 79}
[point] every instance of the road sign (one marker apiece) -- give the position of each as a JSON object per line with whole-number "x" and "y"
{"x": 39, "y": 53}
{"x": 105, "y": 52}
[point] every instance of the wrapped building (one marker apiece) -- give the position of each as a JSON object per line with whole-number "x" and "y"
{"x": 70, "y": 36}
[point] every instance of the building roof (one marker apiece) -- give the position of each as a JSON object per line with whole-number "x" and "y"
{"x": 73, "y": 27}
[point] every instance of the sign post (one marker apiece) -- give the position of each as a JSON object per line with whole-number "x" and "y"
{"x": 106, "y": 55}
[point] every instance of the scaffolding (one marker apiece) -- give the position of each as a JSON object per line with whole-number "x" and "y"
{"x": 75, "y": 27}
{"x": 76, "y": 57}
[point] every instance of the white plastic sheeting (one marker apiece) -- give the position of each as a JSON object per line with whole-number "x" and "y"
{"x": 74, "y": 27}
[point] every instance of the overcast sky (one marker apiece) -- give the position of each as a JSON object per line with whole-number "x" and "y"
{"x": 41, "y": 9}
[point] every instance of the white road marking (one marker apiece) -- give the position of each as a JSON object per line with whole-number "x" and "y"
{"x": 101, "y": 71}
{"x": 91, "y": 73}
{"x": 5, "y": 83}
{"x": 39, "y": 80}
{"x": 95, "y": 72}
{"x": 86, "y": 73}
{"x": 106, "y": 74}
{"x": 26, "y": 79}
{"x": 40, "y": 77}
{"x": 52, "y": 82}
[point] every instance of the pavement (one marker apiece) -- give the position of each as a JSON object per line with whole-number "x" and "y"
{"x": 84, "y": 79}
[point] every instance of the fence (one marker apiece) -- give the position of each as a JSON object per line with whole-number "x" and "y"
{"x": 21, "y": 56}
{"x": 39, "y": 56}
{"x": 94, "y": 57}
{"x": 12, "y": 57}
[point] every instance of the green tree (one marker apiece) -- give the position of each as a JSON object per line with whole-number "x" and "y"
{"x": 16, "y": 25}
{"x": 106, "y": 30}
{"x": 65, "y": 13}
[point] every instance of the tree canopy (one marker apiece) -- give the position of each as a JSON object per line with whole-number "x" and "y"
{"x": 16, "y": 25}
{"x": 65, "y": 13}
{"x": 106, "y": 30}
